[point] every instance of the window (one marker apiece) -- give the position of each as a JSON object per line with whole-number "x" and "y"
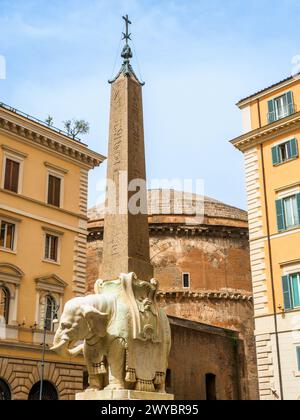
{"x": 291, "y": 291}
{"x": 51, "y": 247}
{"x": 211, "y": 391}
{"x": 50, "y": 312}
{"x": 280, "y": 107}
{"x": 5, "y": 394}
{"x": 11, "y": 176}
{"x": 288, "y": 212}
{"x": 4, "y": 304}
{"x": 7, "y": 235}
{"x": 49, "y": 392}
{"x": 298, "y": 358}
{"x": 285, "y": 151}
{"x": 54, "y": 190}
{"x": 186, "y": 280}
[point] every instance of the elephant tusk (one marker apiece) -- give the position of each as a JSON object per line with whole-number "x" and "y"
{"x": 76, "y": 351}
{"x": 59, "y": 346}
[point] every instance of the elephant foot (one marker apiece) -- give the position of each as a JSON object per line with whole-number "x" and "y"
{"x": 115, "y": 385}
{"x": 93, "y": 388}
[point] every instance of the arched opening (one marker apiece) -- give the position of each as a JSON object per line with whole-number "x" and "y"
{"x": 5, "y": 394}
{"x": 4, "y": 303}
{"x": 50, "y": 312}
{"x": 211, "y": 390}
{"x": 49, "y": 392}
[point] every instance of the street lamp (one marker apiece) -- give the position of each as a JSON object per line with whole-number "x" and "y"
{"x": 52, "y": 319}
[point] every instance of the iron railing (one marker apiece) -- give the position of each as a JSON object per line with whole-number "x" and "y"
{"x": 36, "y": 120}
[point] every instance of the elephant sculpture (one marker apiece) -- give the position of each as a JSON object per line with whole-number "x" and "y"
{"x": 123, "y": 334}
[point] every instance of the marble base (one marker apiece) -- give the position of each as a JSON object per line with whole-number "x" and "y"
{"x": 121, "y": 394}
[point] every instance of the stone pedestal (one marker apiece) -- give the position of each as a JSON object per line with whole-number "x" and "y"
{"x": 122, "y": 394}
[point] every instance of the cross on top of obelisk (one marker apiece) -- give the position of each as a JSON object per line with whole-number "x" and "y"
{"x": 127, "y": 35}
{"x": 126, "y": 54}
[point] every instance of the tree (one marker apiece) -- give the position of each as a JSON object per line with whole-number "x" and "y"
{"x": 75, "y": 127}
{"x": 49, "y": 121}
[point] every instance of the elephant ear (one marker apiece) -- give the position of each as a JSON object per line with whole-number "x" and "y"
{"x": 97, "y": 321}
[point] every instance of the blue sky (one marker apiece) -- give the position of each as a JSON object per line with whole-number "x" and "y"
{"x": 198, "y": 58}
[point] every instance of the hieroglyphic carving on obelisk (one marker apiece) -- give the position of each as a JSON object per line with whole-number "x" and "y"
{"x": 126, "y": 236}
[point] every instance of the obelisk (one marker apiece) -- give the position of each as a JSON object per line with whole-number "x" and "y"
{"x": 126, "y": 235}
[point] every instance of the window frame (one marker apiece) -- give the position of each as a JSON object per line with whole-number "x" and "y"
{"x": 59, "y": 175}
{"x": 53, "y": 312}
{"x": 15, "y": 157}
{"x": 284, "y": 104}
{"x": 7, "y": 303}
{"x": 275, "y": 109}
{"x": 58, "y": 250}
{"x": 298, "y": 358}
{"x": 189, "y": 280}
{"x": 12, "y": 250}
{"x": 296, "y": 217}
{"x": 280, "y": 212}
{"x": 276, "y": 151}
{"x": 290, "y": 275}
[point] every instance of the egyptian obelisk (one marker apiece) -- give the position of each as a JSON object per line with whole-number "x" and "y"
{"x": 126, "y": 235}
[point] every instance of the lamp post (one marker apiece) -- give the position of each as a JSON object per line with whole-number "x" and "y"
{"x": 55, "y": 309}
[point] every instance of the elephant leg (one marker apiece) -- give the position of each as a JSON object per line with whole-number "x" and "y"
{"x": 116, "y": 362}
{"x": 95, "y": 381}
{"x": 161, "y": 388}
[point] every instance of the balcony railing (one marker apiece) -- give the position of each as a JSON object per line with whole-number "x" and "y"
{"x": 36, "y": 120}
{"x": 286, "y": 112}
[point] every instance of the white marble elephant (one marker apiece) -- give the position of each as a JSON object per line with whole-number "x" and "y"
{"x": 115, "y": 359}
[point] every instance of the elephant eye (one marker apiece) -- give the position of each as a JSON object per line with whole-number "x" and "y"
{"x": 65, "y": 326}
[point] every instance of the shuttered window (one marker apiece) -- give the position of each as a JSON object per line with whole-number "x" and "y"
{"x": 54, "y": 190}
{"x": 285, "y": 151}
{"x": 51, "y": 247}
{"x": 280, "y": 107}
{"x": 11, "y": 179}
{"x": 291, "y": 291}
{"x": 288, "y": 212}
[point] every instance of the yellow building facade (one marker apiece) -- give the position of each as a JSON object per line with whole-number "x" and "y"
{"x": 43, "y": 231}
{"x": 270, "y": 143}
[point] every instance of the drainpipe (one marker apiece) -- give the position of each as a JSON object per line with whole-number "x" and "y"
{"x": 271, "y": 262}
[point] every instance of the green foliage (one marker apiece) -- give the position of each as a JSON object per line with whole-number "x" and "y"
{"x": 76, "y": 127}
{"x": 49, "y": 121}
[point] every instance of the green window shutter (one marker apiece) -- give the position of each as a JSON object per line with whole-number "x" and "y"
{"x": 275, "y": 155}
{"x": 290, "y": 102}
{"x": 287, "y": 295}
{"x": 294, "y": 148}
{"x": 280, "y": 215}
{"x": 271, "y": 111}
{"x": 298, "y": 358}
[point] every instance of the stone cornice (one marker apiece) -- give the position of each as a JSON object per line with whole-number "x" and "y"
{"x": 170, "y": 297}
{"x": 46, "y": 138}
{"x": 267, "y": 132}
{"x": 96, "y": 233}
